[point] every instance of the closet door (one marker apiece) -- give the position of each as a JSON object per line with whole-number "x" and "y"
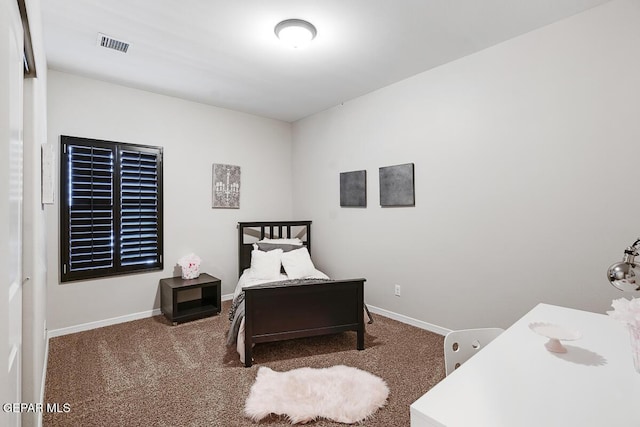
{"x": 11, "y": 80}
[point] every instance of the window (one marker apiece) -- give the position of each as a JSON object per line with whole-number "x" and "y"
{"x": 110, "y": 208}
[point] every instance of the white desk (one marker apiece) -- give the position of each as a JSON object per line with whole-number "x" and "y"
{"x": 516, "y": 382}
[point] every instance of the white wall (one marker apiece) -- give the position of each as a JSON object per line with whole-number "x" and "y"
{"x": 194, "y": 136}
{"x": 526, "y": 157}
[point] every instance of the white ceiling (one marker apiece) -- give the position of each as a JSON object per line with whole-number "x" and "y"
{"x": 224, "y": 52}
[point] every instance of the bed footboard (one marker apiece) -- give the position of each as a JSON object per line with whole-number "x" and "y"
{"x": 275, "y": 313}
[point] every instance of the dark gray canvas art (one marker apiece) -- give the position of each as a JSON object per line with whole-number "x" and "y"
{"x": 396, "y": 185}
{"x": 226, "y": 186}
{"x": 353, "y": 189}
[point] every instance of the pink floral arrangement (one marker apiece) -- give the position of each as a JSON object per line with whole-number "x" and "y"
{"x": 190, "y": 266}
{"x": 626, "y": 311}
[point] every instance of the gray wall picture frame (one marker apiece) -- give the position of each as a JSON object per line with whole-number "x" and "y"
{"x": 353, "y": 189}
{"x": 397, "y": 185}
{"x": 225, "y": 186}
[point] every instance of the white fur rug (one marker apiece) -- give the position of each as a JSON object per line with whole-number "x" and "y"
{"x": 339, "y": 393}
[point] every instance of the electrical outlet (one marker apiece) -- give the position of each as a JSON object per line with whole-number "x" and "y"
{"x": 397, "y": 290}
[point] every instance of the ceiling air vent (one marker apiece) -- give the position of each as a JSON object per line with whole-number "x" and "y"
{"x": 111, "y": 43}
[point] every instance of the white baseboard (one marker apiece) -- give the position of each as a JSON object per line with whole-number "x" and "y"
{"x": 409, "y": 320}
{"x": 155, "y": 312}
{"x": 100, "y": 323}
{"x": 112, "y": 321}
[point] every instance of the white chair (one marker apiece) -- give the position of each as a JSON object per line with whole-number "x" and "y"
{"x": 460, "y": 345}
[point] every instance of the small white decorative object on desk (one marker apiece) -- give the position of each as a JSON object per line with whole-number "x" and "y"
{"x": 628, "y": 312}
{"x": 190, "y": 266}
{"x": 555, "y": 333}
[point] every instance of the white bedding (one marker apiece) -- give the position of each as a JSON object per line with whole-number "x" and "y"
{"x": 247, "y": 281}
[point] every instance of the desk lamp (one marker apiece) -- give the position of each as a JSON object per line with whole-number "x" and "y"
{"x": 625, "y": 275}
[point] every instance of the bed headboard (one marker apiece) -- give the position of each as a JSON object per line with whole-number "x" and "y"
{"x": 251, "y": 232}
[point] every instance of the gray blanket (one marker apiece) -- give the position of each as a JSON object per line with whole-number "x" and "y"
{"x": 236, "y": 314}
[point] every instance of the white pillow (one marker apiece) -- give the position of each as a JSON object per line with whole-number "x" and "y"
{"x": 297, "y": 263}
{"x": 265, "y": 265}
{"x": 294, "y": 241}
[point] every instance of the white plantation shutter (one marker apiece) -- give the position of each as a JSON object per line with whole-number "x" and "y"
{"x": 111, "y": 208}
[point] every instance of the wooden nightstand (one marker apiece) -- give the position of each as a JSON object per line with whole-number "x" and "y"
{"x": 207, "y": 305}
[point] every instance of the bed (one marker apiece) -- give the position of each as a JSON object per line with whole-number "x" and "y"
{"x": 284, "y": 308}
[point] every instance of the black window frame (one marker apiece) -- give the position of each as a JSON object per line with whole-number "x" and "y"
{"x": 125, "y": 157}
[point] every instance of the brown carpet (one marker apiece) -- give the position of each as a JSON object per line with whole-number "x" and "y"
{"x": 149, "y": 373}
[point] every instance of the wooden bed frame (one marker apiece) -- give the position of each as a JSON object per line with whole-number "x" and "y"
{"x": 275, "y": 313}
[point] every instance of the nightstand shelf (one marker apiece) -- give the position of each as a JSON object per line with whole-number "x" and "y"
{"x": 207, "y": 305}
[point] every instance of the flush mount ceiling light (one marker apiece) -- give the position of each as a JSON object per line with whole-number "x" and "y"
{"x": 296, "y": 33}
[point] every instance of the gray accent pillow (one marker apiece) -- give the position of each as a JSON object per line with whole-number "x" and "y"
{"x": 286, "y": 247}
